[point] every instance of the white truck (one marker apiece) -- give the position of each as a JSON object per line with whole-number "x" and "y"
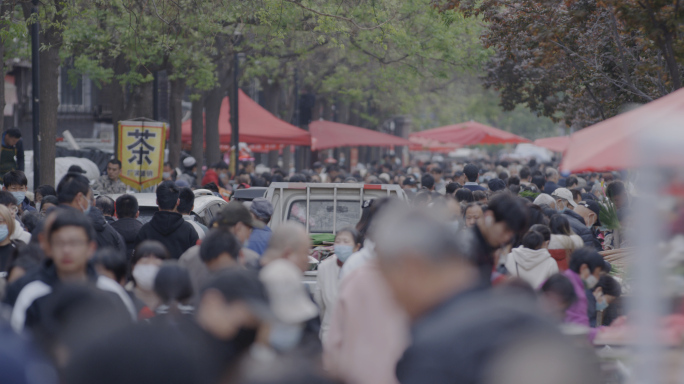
{"x": 324, "y": 207}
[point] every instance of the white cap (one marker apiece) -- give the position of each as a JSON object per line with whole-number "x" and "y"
{"x": 289, "y": 300}
{"x": 189, "y": 162}
{"x": 564, "y": 193}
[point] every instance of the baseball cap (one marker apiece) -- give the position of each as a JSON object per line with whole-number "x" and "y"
{"x": 565, "y": 194}
{"x": 234, "y": 213}
{"x": 261, "y": 208}
{"x": 410, "y": 181}
{"x": 496, "y": 184}
{"x": 76, "y": 169}
{"x": 236, "y": 284}
{"x": 289, "y": 301}
{"x": 189, "y": 162}
{"x": 593, "y": 206}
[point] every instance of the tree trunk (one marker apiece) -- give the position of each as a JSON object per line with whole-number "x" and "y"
{"x": 198, "y": 132}
{"x": 212, "y": 107}
{"x": 142, "y": 101}
{"x": 49, "y": 102}
{"x": 176, "y": 119}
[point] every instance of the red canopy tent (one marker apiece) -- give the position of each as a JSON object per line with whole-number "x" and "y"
{"x": 556, "y": 144}
{"x": 327, "y": 134}
{"x": 470, "y": 133}
{"x": 609, "y": 145}
{"x": 423, "y": 144}
{"x": 257, "y": 126}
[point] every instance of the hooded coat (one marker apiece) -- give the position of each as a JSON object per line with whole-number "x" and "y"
{"x": 105, "y": 235}
{"x": 170, "y": 229}
{"x": 128, "y": 228}
{"x": 533, "y": 266}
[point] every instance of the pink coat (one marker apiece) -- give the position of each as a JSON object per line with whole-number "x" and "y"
{"x": 368, "y": 331}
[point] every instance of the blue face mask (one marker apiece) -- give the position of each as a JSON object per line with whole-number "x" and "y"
{"x": 4, "y": 232}
{"x": 343, "y": 252}
{"x": 20, "y": 196}
{"x": 88, "y": 206}
{"x": 601, "y": 305}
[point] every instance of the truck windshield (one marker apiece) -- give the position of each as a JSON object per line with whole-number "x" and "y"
{"x": 321, "y": 214}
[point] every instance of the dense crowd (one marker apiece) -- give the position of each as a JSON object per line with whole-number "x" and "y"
{"x": 483, "y": 273}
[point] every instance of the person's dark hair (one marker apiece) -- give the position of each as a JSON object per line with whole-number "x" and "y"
{"x": 539, "y": 181}
{"x": 514, "y": 189}
{"x": 126, "y": 206}
{"x": 106, "y": 205}
{"x": 72, "y": 218}
{"x": 46, "y": 190}
{"x": 437, "y": 170}
{"x": 472, "y": 172}
{"x": 479, "y": 196}
{"x": 115, "y": 162}
{"x": 588, "y": 256}
{"x": 113, "y": 261}
{"x": 167, "y": 195}
{"x": 210, "y": 186}
{"x": 609, "y": 285}
{"x": 260, "y": 182}
{"x": 514, "y": 180}
{"x": 615, "y": 188}
{"x": 51, "y": 199}
{"x": 509, "y": 209}
{"x": 217, "y": 242}
{"x": 533, "y": 240}
{"x": 221, "y": 165}
{"x": 535, "y": 215}
{"x": 548, "y": 211}
{"x": 7, "y": 198}
{"x": 297, "y": 178}
{"x": 356, "y": 235}
{"x": 453, "y": 187}
{"x": 576, "y": 192}
{"x": 187, "y": 200}
{"x": 13, "y": 132}
{"x": 524, "y": 173}
{"x": 277, "y": 178}
{"x": 15, "y": 177}
{"x": 149, "y": 248}
{"x": 30, "y": 220}
{"x": 471, "y": 205}
{"x": 421, "y": 197}
{"x": 70, "y": 186}
{"x": 464, "y": 195}
{"x": 570, "y": 181}
{"x": 543, "y": 230}
{"x": 427, "y": 181}
{"x": 26, "y": 256}
{"x": 369, "y": 213}
{"x": 503, "y": 176}
{"x": 172, "y": 284}
{"x": 560, "y": 225}
{"x": 561, "y": 286}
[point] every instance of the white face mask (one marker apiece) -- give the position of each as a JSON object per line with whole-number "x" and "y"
{"x": 144, "y": 275}
{"x": 591, "y": 281}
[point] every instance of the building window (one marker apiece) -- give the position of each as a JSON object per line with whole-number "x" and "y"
{"x": 73, "y": 97}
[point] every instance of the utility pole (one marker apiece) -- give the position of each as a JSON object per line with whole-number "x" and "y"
{"x": 35, "y": 90}
{"x": 299, "y": 153}
{"x": 234, "y": 117}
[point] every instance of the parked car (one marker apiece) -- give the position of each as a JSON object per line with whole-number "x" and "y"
{"x": 206, "y": 205}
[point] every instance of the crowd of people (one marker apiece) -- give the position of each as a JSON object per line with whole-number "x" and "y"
{"x": 478, "y": 276}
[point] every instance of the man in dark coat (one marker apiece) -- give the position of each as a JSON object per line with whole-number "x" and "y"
{"x": 127, "y": 225}
{"x": 168, "y": 226}
{"x": 460, "y": 332}
{"x": 12, "y": 148}
{"x": 105, "y": 235}
{"x": 579, "y": 226}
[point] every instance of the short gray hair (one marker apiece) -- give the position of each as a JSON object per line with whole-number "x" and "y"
{"x": 410, "y": 231}
{"x": 551, "y": 172}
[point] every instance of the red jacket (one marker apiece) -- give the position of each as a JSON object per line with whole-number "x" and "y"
{"x": 211, "y": 177}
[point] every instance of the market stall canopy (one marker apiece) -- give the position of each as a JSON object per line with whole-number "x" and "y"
{"x": 327, "y": 134}
{"x": 556, "y": 144}
{"x": 470, "y": 133}
{"x": 257, "y": 126}
{"x": 430, "y": 145}
{"x": 609, "y": 145}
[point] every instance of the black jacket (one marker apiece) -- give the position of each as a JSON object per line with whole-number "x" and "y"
{"x": 105, "y": 235}
{"x": 480, "y": 252}
{"x": 29, "y": 296}
{"x": 457, "y": 341}
{"x": 128, "y": 228}
{"x": 580, "y": 228}
{"x": 170, "y": 229}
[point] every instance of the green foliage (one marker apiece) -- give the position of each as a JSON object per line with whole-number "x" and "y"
{"x": 608, "y": 216}
{"x": 529, "y": 194}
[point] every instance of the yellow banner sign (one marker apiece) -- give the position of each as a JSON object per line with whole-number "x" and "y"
{"x": 141, "y": 151}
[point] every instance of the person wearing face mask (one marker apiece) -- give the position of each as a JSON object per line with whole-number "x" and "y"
{"x": 145, "y": 263}
{"x": 16, "y": 183}
{"x": 169, "y": 173}
{"x": 296, "y": 324}
{"x": 7, "y": 246}
{"x": 585, "y": 269}
{"x": 347, "y": 241}
{"x": 8, "y": 200}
